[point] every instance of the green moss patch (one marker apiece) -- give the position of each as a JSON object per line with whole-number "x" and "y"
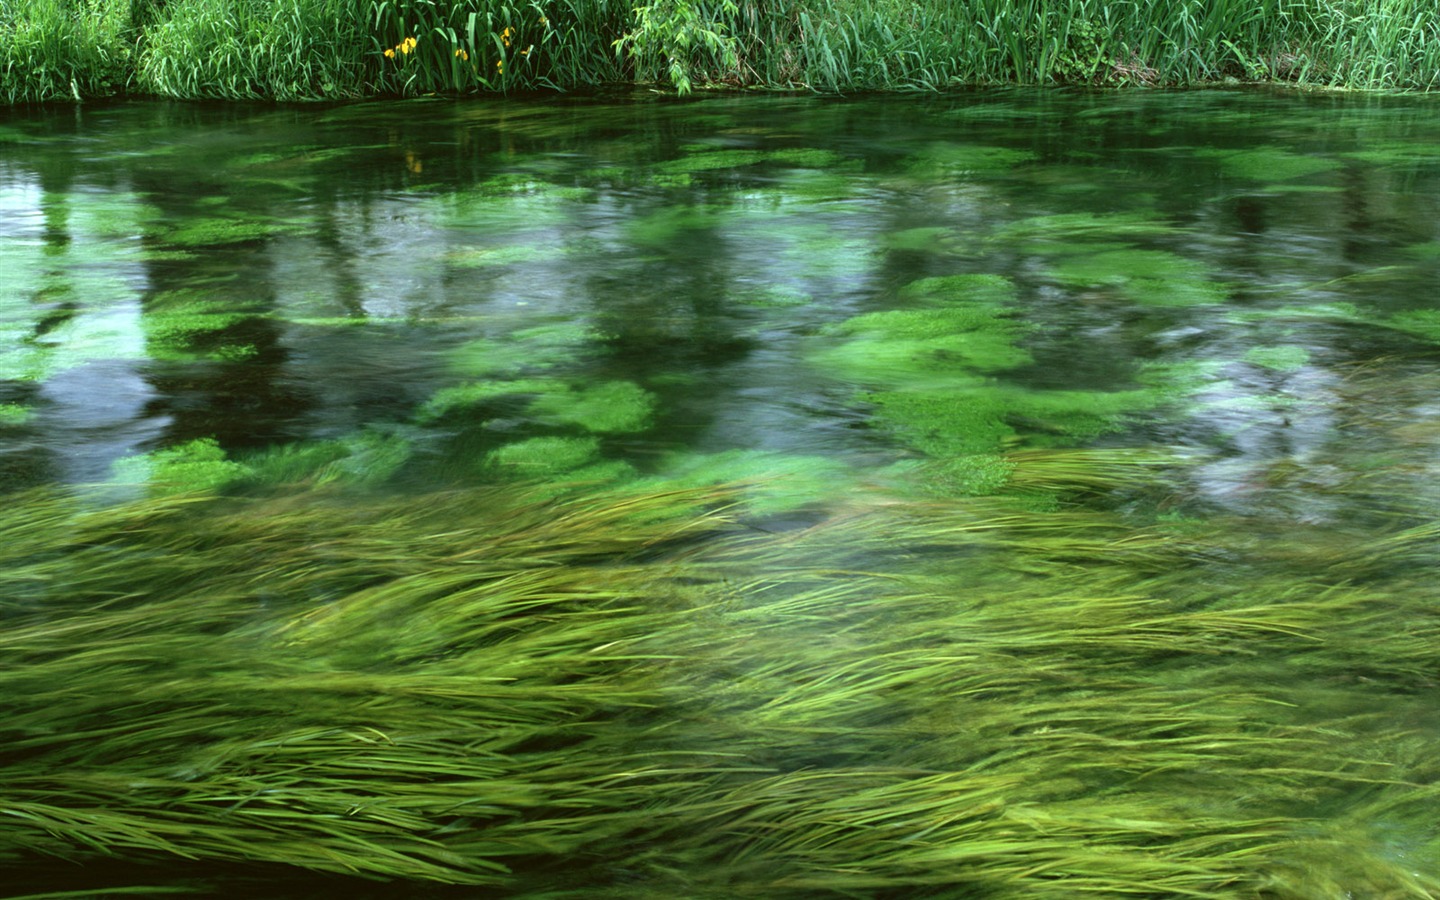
{"x": 463, "y": 396}
{"x": 900, "y": 346}
{"x": 14, "y": 414}
{"x": 982, "y": 290}
{"x": 943, "y": 160}
{"x": 1055, "y": 233}
{"x": 612, "y": 407}
{"x": 764, "y": 483}
{"x": 175, "y": 322}
{"x": 198, "y": 465}
{"x": 989, "y": 419}
{"x": 1146, "y": 277}
{"x": 1279, "y": 359}
{"x": 542, "y": 457}
{"x": 1269, "y": 163}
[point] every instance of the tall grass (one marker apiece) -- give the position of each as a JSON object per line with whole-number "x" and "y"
{"x": 425, "y": 46}
{"x": 63, "y": 50}
{"x": 315, "y": 49}
{"x": 630, "y": 694}
{"x": 247, "y": 49}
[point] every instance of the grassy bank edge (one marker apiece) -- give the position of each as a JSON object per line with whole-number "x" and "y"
{"x": 74, "y": 50}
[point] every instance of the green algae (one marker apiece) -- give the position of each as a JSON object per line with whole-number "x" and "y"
{"x": 938, "y": 161}
{"x": 177, "y": 324}
{"x": 613, "y": 407}
{"x": 982, "y": 290}
{"x": 542, "y": 457}
{"x": 1286, "y": 358}
{"x": 954, "y": 341}
{"x": 198, "y": 465}
{"x": 503, "y": 255}
{"x": 215, "y": 231}
{"x": 761, "y": 482}
{"x": 717, "y": 160}
{"x": 976, "y": 474}
{"x": 14, "y": 414}
{"x": 920, "y": 240}
{"x": 985, "y": 419}
{"x": 1423, "y": 323}
{"x": 1054, "y": 233}
{"x": 369, "y": 457}
{"x": 539, "y": 348}
{"x": 461, "y": 397}
{"x": 1146, "y": 277}
{"x": 1269, "y": 163}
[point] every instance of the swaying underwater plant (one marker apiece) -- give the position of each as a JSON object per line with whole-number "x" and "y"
{"x": 632, "y": 692}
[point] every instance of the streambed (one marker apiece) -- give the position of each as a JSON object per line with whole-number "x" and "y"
{"x": 1110, "y": 413}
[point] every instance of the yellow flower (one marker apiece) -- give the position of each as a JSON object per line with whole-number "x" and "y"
{"x": 462, "y": 54}
{"x": 389, "y": 54}
{"x": 526, "y": 51}
{"x": 406, "y": 45}
{"x": 500, "y": 66}
{"x": 505, "y": 35}
{"x": 544, "y": 21}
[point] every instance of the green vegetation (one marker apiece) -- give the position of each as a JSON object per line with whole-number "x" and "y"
{"x": 578, "y": 697}
{"x": 317, "y": 49}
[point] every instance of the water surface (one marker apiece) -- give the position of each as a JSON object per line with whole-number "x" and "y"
{"x": 826, "y": 301}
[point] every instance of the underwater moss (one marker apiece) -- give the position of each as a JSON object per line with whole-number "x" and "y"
{"x": 211, "y": 231}
{"x": 946, "y": 160}
{"x": 448, "y": 400}
{"x": 611, "y": 407}
{"x": 902, "y": 346}
{"x": 14, "y": 414}
{"x": 918, "y": 240}
{"x": 759, "y": 482}
{"x": 970, "y": 475}
{"x": 503, "y": 255}
{"x": 542, "y": 457}
{"x": 197, "y": 465}
{"x": 1066, "y": 234}
{"x": 175, "y": 321}
{"x": 988, "y": 419}
{"x": 539, "y": 348}
{"x": 1287, "y": 358}
{"x": 981, "y": 290}
{"x": 713, "y": 160}
{"x": 1269, "y": 163}
{"x": 1423, "y": 323}
{"x": 1147, "y": 277}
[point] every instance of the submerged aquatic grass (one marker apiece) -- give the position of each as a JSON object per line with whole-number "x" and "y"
{"x": 488, "y": 687}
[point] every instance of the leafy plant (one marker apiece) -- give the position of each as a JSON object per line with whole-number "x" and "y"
{"x": 674, "y": 37}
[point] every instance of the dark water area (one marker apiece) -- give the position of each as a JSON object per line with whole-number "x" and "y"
{"x": 269, "y": 277}
{"x": 1210, "y": 317}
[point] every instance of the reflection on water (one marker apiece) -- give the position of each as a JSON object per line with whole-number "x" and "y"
{"x": 266, "y": 277}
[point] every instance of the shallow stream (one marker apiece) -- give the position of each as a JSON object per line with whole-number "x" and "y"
{"x": 1208, "y": 318}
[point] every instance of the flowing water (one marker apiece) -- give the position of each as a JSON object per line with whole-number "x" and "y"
{"x": 1209, "y": 315}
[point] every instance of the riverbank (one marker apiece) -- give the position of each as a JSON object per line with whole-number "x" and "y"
{"x": 77, "y": 50}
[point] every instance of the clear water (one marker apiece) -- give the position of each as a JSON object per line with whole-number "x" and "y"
{"x": 273, "y": 276}
{"x": 825, "y": 295}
